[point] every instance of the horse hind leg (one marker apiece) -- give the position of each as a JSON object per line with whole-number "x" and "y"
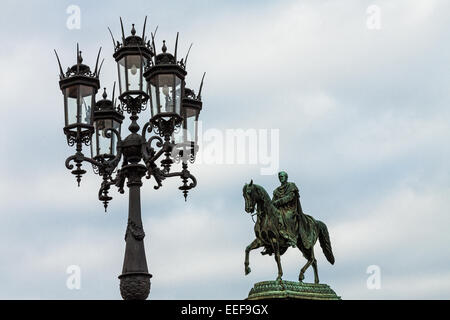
{"x": 316, "y": 274}
{"x": 309, "y": 255}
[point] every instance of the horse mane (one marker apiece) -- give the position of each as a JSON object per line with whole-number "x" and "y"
{"x": 264, "y": 196}
{"x": 262, "y": 192}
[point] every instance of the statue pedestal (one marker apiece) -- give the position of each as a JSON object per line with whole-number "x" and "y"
{"x": 291, "y": 290}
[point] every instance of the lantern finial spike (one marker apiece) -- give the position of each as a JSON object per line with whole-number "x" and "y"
{"x": 176, "y": 47}
{"x": 123, "y": 33}
{"x": 112, "y": 37}
{"x": 187, "y": 55}
{"x": 78, "y": 57}
{"x": 153, "y": 40}
{"x": 61, "y": 75}
{"x": 199, "y": 95}
{"x": 100, "y": 68}
{"x": 143, "y": 29}
{"x": 164, "y": 48}
{"x": 104, "y": 93}
{"x": 114, "y": 90}
{"x": 133, "y": 30}
{"x": 96, "y": 63}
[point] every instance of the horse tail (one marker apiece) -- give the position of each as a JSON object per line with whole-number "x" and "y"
{"x": 325, "y": 242}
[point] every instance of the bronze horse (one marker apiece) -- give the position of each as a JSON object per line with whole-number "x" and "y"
{"x": 267, "y": 231}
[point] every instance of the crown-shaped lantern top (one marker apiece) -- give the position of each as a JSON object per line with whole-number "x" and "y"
{"x": 167, "y": 58}
{"x": 133, "y": 42}
{"x": 108, "y": 105}
{"x": 105, "y": 104}
{"x": 189, "y": 94}
{"x": 80, "y": 69}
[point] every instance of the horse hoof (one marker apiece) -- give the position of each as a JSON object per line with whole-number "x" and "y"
{"x": 279, "y": 279}
{"x": 247, "y": 270}
{"x": 301, "y": 278}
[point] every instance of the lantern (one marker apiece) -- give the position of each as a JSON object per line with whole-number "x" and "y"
{"x": 132, "y": 57}
{"x": 186, "y": 140}
{"x": 166, "y": 88}
{"x": 104, "y": 141}
{"x": 79, "y": 86}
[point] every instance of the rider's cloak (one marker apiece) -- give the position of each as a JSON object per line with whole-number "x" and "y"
{"x": 287, "y": 198}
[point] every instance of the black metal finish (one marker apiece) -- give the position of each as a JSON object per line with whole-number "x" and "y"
{"x": 139, "y": 155}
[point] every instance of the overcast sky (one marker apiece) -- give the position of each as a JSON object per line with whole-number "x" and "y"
{"x": 362, "y": 116}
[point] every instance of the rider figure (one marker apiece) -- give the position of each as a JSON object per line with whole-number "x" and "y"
{"x": 285, "y": 200}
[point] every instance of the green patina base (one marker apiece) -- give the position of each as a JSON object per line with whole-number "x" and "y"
{"x": 291, "y": 290}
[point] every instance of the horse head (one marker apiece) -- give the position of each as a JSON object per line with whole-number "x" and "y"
{"x": 249, "y": 193}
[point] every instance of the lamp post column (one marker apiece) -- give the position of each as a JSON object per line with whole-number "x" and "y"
{"x": 135, "y": 279}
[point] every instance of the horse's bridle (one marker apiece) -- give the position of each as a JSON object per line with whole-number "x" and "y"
{"x": 255, "y": 214}
{"x": 252, "y": 214}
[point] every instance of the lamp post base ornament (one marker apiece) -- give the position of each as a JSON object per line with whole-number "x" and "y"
{"x": 135, "y": 285}
{"x": 291, "y": 290}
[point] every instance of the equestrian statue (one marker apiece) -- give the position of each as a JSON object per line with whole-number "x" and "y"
{"x": 281, "y": 223}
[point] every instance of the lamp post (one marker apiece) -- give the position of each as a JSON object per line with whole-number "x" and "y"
{"x": 145, "y": 79}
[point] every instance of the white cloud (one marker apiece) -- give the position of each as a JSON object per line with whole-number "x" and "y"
{"x": 406, "y": 218}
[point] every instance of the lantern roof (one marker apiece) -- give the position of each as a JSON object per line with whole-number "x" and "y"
{"x": 79, "y": 68}
{"x": 166, "y": 62}
{"x": 132, "y": 44}
{"x": 165, "y": 57}
{"x": 106, "y": 109}
{"x": 191, "y": 100}
{"x": 104, "y": 104}
{"x": 190, "y": 96}
{"x": 80, "y": 73}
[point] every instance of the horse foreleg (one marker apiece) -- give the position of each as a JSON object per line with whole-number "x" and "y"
{"x": 278, "y": 260}
{"x": 254, "y": 245}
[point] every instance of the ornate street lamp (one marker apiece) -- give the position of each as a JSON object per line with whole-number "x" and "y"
{"x": 144, "y": 79}
{"x": 186, "y": 141}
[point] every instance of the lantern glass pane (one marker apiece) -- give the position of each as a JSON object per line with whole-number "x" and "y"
{"x": 71, "y": 105}
{"x": 121, "y": 71}
{"x": 153, "y": 96}
{"x": 191, "y": 118}
{"x": 166, "y": 85}
{"x": 101, "y": 144}
{"x": 116, "y": 125}
{"x": 177, "y": 95}
{"x": 178, "y": 136}
{"x": 104, "y": 142}
{"x": 86, "y": 99}
{"x": 135, "y": 65}
{"x": 144, "y": 82}
{"x": 165, "y": 94}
